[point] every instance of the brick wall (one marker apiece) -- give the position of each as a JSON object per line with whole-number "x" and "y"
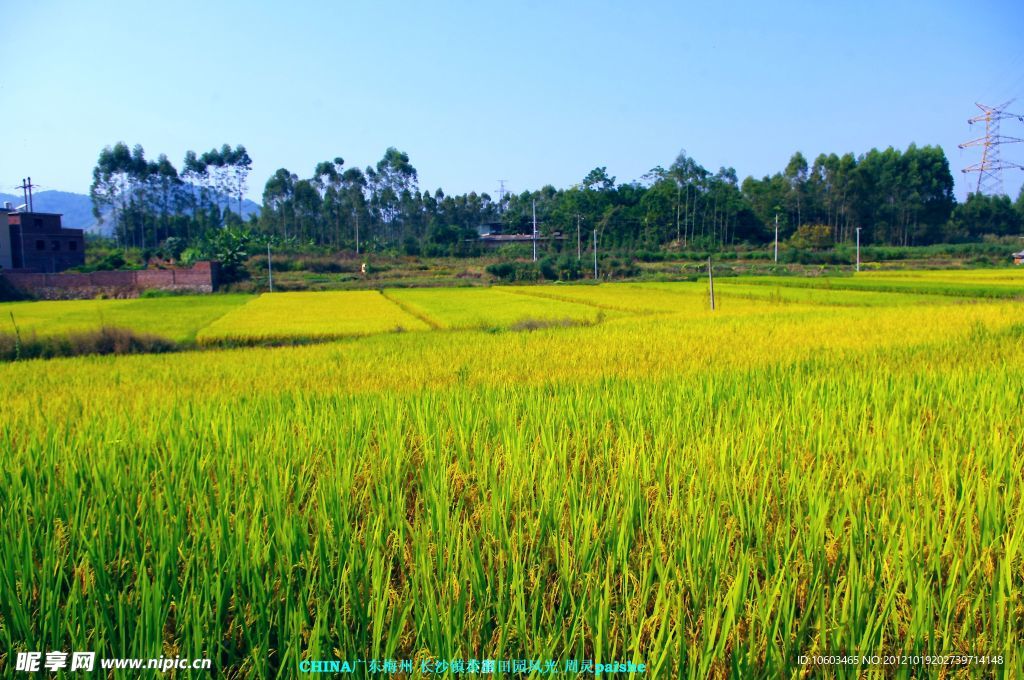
{"x": 200, "y": 278}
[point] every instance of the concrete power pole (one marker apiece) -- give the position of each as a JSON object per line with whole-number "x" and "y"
{"x": 579, "y": 244}
{"x": 711, "y": 284}
{"x": 776, "y": 238}
{"x": 355, "y": 213}
{"x": 678, "y": 191}
{"x": 26, "y": 190}
{"x": 858, "y": 248}
{"x": 270, "y": 271}
{"x": 535, "y": 231}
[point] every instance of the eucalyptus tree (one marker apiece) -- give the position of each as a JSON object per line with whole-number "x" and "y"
{"x": 279, "y": 203}
{"x": 691, "y": 176}
{"x": 167, "y": 189}
{"x": 392, "y": 175}
{"x": 796, "y": 176}
{"x": 196, "y": 175}
{"x": 327, "y": 181}
{"x": 353, "y": 202}
{"x": 110, "y": 190}
{"x": 240, "y": 164}
{"x": 218, "y": 164}
{"x": 306, "y": 209}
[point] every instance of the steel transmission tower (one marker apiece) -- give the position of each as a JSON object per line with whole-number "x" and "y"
{"x": 501, "y": 193}
{"x": 990, "y": 179}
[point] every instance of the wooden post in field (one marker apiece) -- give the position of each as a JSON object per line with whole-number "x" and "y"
{"x": 711, "y": 284}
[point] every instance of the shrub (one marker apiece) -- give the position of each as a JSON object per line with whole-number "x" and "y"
{"x": 106, "y": 340}
{"x": 534, "y": 324}
{"x": 812, "y": 236}
{"x": 503, "y": 270}
{"x": 548, "y": 269}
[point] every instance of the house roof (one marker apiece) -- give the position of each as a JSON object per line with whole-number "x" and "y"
{"x": 31, "y": 213}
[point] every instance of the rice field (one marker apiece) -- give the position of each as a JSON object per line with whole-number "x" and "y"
{"x": 494, "y": 308}
{"x": 283, "y": 316}
{"x": 626, "y": 299}
{"x": 998, "y": 283}
{"x": 712, "y": 494}
{"x": 176, "y": 318}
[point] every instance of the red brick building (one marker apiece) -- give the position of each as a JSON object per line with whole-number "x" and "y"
{"x": 33, "y": 241}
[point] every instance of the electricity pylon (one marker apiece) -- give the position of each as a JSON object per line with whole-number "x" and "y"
{"x": 990, "y": 179}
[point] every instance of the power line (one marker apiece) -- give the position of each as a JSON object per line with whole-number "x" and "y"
{"x": 997, "y": 81}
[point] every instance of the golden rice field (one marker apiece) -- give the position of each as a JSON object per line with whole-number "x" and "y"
{"x": 498, "y": 307}
{"x": 310, "y": 315}
{"x": 176, "y": 318}
{"x": 995, "y": 283}
{"x": 713, "y": 494}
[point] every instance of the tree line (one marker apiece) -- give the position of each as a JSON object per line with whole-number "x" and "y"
{"x": 146, "y": 201}
{"x": 895, "y": 197}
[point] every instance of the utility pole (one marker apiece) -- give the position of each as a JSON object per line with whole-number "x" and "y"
{"x": 535, "y": 231}
{"x": 858, "y": 248}
{"x": 26, "y": 190}
{"x": 595, "y": 255}
{"x": 776, "y": 238}
{"x": 579, "y": 244}
{"x": 686, "y": 215}
{"x": 711, "y": 284}
{"x": 270, "y": 272}
{"x": 355, "y": 213}
{"x": 679, "y": 190}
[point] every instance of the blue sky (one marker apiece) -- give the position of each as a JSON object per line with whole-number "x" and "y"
{"x": 531, "y": 92}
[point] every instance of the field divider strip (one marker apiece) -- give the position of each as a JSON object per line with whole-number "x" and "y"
{"x": 411, "y": 311}
{"x": 195, "y": 336}
{"x": 770, "y": 299}
{"x": 234, "y": 342}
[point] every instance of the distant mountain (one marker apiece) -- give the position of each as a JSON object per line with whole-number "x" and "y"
{"x": 77, "y": 208}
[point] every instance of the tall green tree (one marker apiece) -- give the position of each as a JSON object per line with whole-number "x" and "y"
{"x": 110, "y": 190}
